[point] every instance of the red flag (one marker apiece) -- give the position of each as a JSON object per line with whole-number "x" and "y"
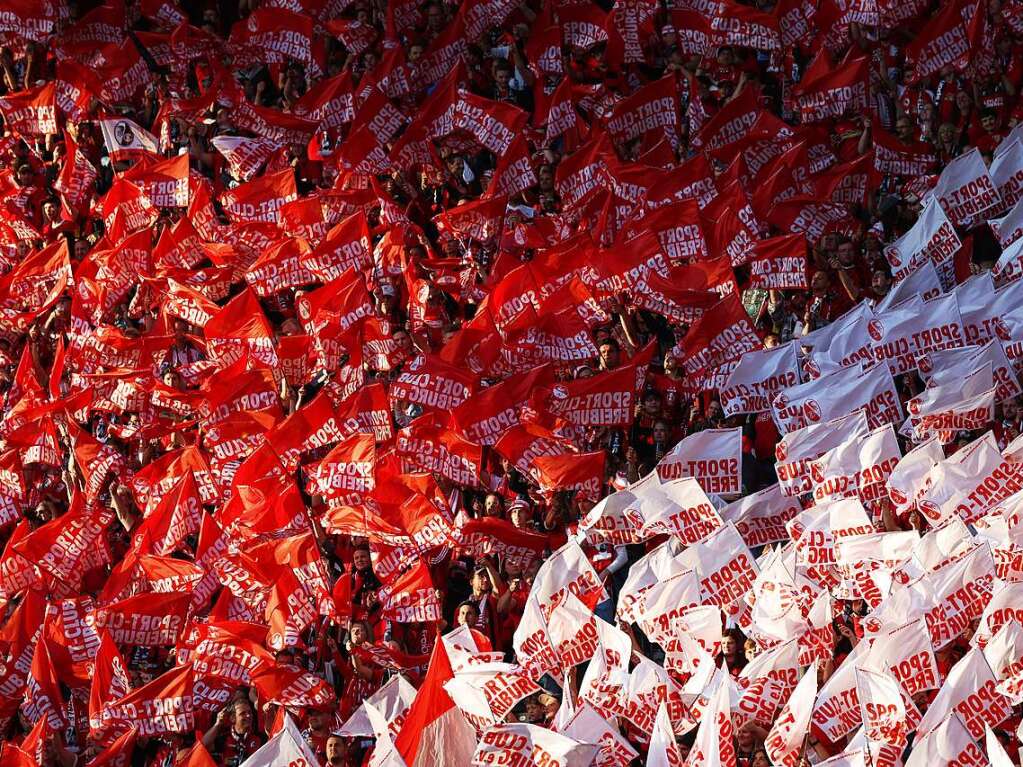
{"x": 145, "y": 619}
{"x": 652, "y": 107}
{"x": 119, "y": 753}
{"x": 238, "y": 326}
{"x": 433, "y": 384}
{"x": 583, "y": 473}
{"x": 780, "y": 263}
{"x": 827, "y": 92}
{"x": 42, "y": 698}
{"x": 77, "y": 176}
{"x": 347, "y": 471}
{"x": 163, "y": 182}
{"x": 717, "y": 341}
{"x": 429, "y": 445}
{"x": 163, "y": 706}
{"x": 32, "y": 112}
{"x": 290, "y": 686}
{"x": 109, "y": 680}
{"x": 411, "y": 597}
{"x": 261, "y": 198}
{"x": 953, "y": 37}
{"x": 894, "y": 157}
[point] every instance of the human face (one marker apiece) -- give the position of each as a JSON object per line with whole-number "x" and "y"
{"x": 435, "y": 18}
{"x": 880, "y": 283}
{"x": 318, "y": 720}
{"x": 904, "y": 129}
{"x": 520, "y": 516}
{"x": 492, "y": 505}
{"x": 846, "y": 254}
{"x": 608, "y": 355}
{"x": 358, "y": 633}
{"x": 361, "y": 559}
{"x": 480, "y": 582}
{"x": 466, "y": 616}
{"x": 335, "y": 750}
{"x": 660, "y": 433}
{"x": 819, "y": 284}
{"x": 745, "y": 739}
{"x": 242, "y": 717}
{"x": 989, "y": 123}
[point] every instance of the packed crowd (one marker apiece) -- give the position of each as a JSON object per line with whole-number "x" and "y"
{"x": 512, "y": 382}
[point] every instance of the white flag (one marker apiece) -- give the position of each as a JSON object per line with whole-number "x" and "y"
{"x": 758, "y": 377}
{"x": 951, "y": 365}
{"x": 995, "y": 753}
{"x": 971, "y": 679}
{"x": 124, "y": 138}
{"x": 932, "y": 238}
{"x": 922, "y": 281}
{"x": 858, "y": 467}
{"x": 837, "y": 394}
{"x": 286, "y": 747}
{"x": 663, "y": 751}
{"x": 589, "y": 726}
{"x": 1009, "y": 228}
{"x": 881, "y": 708}
{"x": 798, "y": 448}
{"x": 914, "y": 328}
{"x": 713, "y": 746}
{"x": 1007, "y": 174}
{"x": 965, "y": 189}
{"x": 760, "y": 517}
{"x": 785, "y": 740}
{"x": 713, "y": 457}
{"x": 391, "y": 701}
{"x": 530, "y": 744}
{"x": 949, "y": 743}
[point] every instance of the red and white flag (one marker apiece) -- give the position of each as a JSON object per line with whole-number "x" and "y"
{"x": 435, "y": 730}
{"x": 712, "y": 457}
